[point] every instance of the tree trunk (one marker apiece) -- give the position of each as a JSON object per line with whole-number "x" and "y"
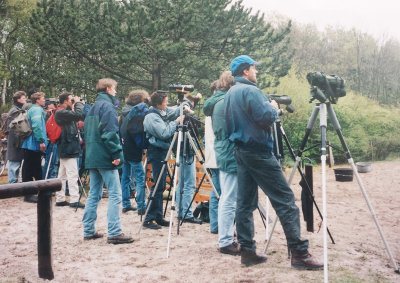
{"x": 3, "y": 92}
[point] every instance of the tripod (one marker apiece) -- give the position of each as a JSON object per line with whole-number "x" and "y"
{"x": 178, "y": 136}
{"x": 324, "y": 109}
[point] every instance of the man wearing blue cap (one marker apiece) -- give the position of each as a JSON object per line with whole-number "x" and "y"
{"x": 249, "y": 117}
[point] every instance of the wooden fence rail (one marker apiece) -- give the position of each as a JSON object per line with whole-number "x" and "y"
{"x": 44, "y": 188}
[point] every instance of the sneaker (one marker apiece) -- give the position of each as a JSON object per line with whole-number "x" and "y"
{"x": 62, "y": 203}
{"x": 126, "y": 209}
{"x": 93, "y": 237}
{"x": 214, "y": 232}
{"x": 141, "y": 211}
{"x": 193, "y": 220}
{"x": 120, "y": 239}
{"x": 232, "y": 249}
{"x": 305, "y": 261}
{"x": 152, "y": 224}
{"x": 249, "y": 257}
{"x": 163, "y": 222}
{"x": 77, "y": 205}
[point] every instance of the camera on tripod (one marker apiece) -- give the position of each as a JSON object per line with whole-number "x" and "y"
{"x": 326, "y": 87}
{"x": 283, "y": 99}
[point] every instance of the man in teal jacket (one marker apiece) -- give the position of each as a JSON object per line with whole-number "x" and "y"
{"x": 103, "y": 158}
{"x": 35, "y": 144}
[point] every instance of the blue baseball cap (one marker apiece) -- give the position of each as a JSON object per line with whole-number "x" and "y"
{"x": 242, "y": 59}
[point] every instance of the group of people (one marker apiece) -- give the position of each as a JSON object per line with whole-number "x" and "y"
{"x": 239, "y": 150}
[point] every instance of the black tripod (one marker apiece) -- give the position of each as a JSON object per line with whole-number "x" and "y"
{"x": 178, "y": 137}
{"x": 324, "y": 109}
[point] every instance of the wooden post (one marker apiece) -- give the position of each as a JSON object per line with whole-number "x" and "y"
{"x": 310, "y": 212}
{"x": 44, "y": 212}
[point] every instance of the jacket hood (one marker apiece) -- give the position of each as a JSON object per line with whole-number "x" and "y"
{"x": 242, "y": 80}
{"x": 126, "y": 109}
{"x": 105, "y": 96}
{"x": 208, "y": 107}
{"x": 139, "y": 109}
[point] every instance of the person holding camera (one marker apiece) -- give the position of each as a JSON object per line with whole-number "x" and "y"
{"x": 159, "y": 124}
{"x": 69, "y": 148}
{"x": 249, "y": 117}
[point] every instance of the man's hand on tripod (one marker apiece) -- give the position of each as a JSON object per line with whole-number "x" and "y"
{"x": 178, "y": 120}
{"x": 274, "y": 104}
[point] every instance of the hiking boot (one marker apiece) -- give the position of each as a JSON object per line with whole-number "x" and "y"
{"x": 305, "y": 261}
{"x": 62, "y": 203}
{"x": 30, "y": 198}
{"x": 232, "y": 249}
{"x": 163, "y": 222}
{"x": 152, "y": 224}
{"x": 93, "y": 237}
{"x": 76, "y": 205}
{"x": 249, "y": 257}
{"x": 141, "y": 211}
{"x": 129, "y": 208}
{"x": 120, "y": 239}
{"x": 193, "y": 220}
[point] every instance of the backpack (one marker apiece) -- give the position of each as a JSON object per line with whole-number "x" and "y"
{"x": 202, "y": 212}
{"x": 21, "y": 126}
{"x": 132, "y": 125}
{"x": 53, "y": 129}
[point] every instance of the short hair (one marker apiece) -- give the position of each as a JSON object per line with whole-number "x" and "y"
{"x": 36, "y": 96}
{"x": 225, "y": 81}
{"x": 103, "y": 84}
{"x": 63, "y": 96}
{"x": 157, "y": 98}
{"x": 32, "y": 91}
{"x": 240, "y": 70}
{"x": 213, "y": 86}
{"x": 136, "y": 96}
{"x": 18, "y": 95}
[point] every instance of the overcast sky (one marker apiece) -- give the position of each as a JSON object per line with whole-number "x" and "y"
{"x": 380, "y": 18}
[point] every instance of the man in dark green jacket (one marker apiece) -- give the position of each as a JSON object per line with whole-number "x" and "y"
{"x": 226, "y": 164}
{"x": 103, "y": 158}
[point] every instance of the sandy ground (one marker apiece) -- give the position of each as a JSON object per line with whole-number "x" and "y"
{"x": 358, "y": 255}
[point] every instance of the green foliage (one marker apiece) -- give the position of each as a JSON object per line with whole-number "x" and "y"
{"x": 371, "y": 131}
{"x": 151, "y": 44}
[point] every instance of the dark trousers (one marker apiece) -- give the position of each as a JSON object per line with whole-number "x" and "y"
{"x": 155, "y": 158}
{"x": 32, "y": 168}
{"x": 262, "y": 169}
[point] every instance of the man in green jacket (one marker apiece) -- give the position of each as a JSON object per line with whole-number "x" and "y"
{"x": 103, "y": 158}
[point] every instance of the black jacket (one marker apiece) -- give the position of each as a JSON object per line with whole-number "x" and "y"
{"x": 69, "y": 143}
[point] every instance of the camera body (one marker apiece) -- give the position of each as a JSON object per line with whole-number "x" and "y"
{"x": 326, "y": 87}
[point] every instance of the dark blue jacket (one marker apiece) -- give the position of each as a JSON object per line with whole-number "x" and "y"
{"x": 249, "y": 116}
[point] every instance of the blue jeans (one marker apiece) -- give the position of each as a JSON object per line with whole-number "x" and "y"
{"x": 133, "y": 169}
{"x": 227, "y": 207}
{"x": 261, "y": 169}
{"x": 189, "y": 185}
{"x": 155, "y": 157}
{"x": 213, "y": 204}
{"x": 99, "y": 177}
{"x": 13, "y": 171}
{"x": 53, "y": 170}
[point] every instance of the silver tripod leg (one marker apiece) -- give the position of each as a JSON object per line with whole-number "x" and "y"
{"x": 336, "y": 125}
{"x": 49, "y": 163}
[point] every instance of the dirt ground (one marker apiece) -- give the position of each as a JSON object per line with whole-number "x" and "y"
{"x": 358, "y": 255}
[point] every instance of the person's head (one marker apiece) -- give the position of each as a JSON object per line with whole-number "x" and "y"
{"x": 159, "y": 100}
{"x": 50, "y": 105}
{"x": 213, "y": 86}
{"x": 136, "y": 96}
{"x": 225, "y": 81}
{"x": 65, "y": 99}
{"x": 245, "y": 67}
{"x": 32, "y": 91}
{"x": 38, "y": 98}
{"x": 19, "y": 97}
{"x": 107, "y": 85}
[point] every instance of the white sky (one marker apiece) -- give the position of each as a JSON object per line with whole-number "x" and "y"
{"x": 380, "y": 18}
